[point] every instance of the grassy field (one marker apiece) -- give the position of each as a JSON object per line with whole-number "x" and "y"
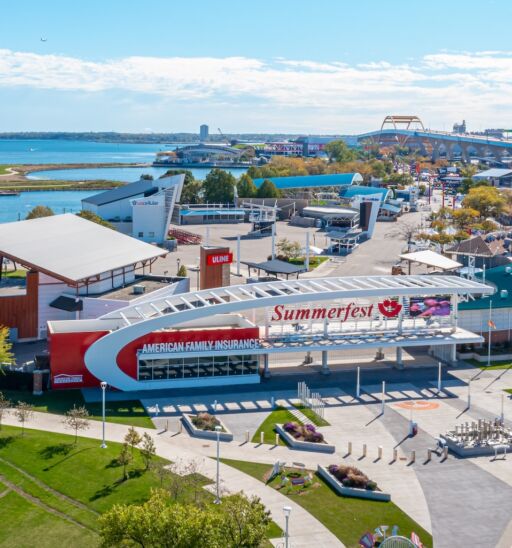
{"x": 54, "y": 490}
{"x": 4, "y": 169}
{"x": 31, "y": 185}
{"x": 60, "y": 401}
{"x": 280, "y": 415}
{"x": 312, "y": 416}
{"x": 22, "y": 522}
{"x": 347, "y": 518}
{"x": 507, "y": 364}
{"x": 14, "y": 274}
{"x": 314, "y": 261}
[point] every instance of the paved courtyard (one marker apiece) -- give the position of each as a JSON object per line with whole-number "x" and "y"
{"x": 453, "y": 498}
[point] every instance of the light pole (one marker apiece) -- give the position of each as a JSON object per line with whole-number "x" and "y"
{"x": 103, "y": 385}
{"x": 217, "y": 498}
{"x": 287, "y": 511}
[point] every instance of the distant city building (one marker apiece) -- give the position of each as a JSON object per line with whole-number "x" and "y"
{"x": 203, "y": 132}
{"x": 459, "y": 128}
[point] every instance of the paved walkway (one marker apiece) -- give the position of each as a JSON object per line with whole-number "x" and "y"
{"x": 305, "y": 530}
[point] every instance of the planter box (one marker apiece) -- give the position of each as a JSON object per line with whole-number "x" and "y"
{"x": 225, "y": 435}
{"x": 304, "y": 445}
{"x": 351, "y": 491}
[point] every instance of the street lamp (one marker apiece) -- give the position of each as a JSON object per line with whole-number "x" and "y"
{"x": 103, "y": 385}
{"x": 217, "y": 498}
{"x": 287, "y": 511}
{"x": 178, "y": 261}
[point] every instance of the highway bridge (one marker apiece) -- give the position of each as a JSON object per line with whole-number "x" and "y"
{"x": 409, "y": 131}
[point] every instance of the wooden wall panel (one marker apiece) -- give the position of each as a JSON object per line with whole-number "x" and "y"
{"x": 20, "y": 311}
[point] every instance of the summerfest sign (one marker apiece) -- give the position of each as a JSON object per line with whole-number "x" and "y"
{"x": 351, "y": 311}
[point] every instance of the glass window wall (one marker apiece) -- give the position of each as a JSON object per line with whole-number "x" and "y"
{"x": 191, "y": 368}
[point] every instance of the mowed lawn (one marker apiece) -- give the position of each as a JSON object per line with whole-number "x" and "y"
{"x": 23, "y": 522}
{"x": 347, "y": 518}
{"x": 52, "y": 490}
{"x": 280, "y": 415}
{"x": 59, "y": 401}
{"x": 505, "y": 364}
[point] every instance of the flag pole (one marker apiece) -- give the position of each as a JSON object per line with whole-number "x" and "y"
{"x": 489, "y": 324}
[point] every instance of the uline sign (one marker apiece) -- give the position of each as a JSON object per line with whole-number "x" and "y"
{"x": 351, "y": 311}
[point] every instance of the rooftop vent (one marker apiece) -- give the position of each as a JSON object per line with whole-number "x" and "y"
{"x": 503, "y": 294}
{"x": 139, "y": 289}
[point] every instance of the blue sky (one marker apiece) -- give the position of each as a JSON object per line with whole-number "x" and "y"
{"x": 280, "y": 65}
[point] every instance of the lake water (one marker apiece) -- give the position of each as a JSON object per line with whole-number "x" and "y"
{"x": 57, "y": 151}
{"x": 125, "y": 174}
{"x": 14, "y": 208}
{"x": 46, "y": 151}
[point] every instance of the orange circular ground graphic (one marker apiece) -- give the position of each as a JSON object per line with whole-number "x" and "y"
{"x": 419, "y": 405}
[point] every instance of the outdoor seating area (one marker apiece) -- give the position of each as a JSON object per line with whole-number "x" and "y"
{"x": 479, "y": 438}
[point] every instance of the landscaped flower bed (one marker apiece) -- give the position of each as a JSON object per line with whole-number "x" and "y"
{"x": 203, "y": 425}
{"x": 303, "y": 432}
{"x": 305, "y": 437}
{"x": 351, "y": 482}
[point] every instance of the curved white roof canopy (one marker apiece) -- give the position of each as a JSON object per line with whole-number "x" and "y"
{"x": 151, "y": 315}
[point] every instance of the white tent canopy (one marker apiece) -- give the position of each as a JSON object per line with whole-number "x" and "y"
{"x": 432, "y": 259}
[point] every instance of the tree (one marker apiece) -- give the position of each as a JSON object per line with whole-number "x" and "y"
{"x": 159, "y": 524}
{"x": 23, "y": 412}
{"x": 124, "y": 459}
{"x": 191, "y": 193}
{"x": 4, "y": 407}
{"x": 77, "y": 419}
{"x": 90, "y": 216}
{"x": 244, "y": 521}
{"x": 148, "y": 449}
{"x": 245, "y": 187}
{"x": 338, "y": 151}
{"x": 132, "y": 438}
{"x": 464, "y": 217}
{"x": 488, "y": 201}
{"x": 268, "y": 190}
{"x": 288, "y": 250}
{"x": 182, "y": 271}
{"x": 146, "y": 177}
{"x": 219, "y": 186}
{"x": 6, "y": 355}
{"x": 40, "y": 211}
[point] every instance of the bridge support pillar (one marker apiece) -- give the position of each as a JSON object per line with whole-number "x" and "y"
{"x": 325, "y": 364}
{"x": 379, "y": 355}
{"x": 399, "y": 358}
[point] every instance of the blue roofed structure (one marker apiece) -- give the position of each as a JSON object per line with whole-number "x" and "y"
{"x": 353, "y": 191}
{"x": 312, "y": 181}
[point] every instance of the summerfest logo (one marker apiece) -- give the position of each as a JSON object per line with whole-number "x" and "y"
{"x": 388, "y": 308}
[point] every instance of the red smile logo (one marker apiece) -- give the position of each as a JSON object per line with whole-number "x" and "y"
{"x": 389, "y": 308}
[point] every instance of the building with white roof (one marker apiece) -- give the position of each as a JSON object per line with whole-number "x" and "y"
{"x": 75, "y": 268}
{"x": 496, "y": 176}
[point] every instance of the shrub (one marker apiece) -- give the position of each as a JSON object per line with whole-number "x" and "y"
{"x": 315, "y": 437}
{"x": 371, "y": 485}
{"x": 205, "y": 421}
{"x": 358, "y": 480}
{"x": 291, "y": 427}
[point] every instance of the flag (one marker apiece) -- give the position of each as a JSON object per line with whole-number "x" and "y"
{"x": 491, "y": 324}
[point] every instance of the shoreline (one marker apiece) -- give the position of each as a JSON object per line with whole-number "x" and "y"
{"x": 17, "y": 179}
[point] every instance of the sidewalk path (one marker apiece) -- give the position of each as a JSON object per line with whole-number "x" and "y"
{"x": 305, "y": 530}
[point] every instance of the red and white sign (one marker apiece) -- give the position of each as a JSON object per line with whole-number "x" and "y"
{"x": 67, "y": 379}
{"x": 350, "y": 311}
{"x": 219, "y": 258}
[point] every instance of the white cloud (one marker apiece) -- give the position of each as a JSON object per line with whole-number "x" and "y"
{"x": 440, "y": 87}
